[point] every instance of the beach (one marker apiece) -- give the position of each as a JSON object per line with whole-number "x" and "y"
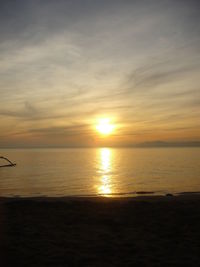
{"x": 100, "y": 231}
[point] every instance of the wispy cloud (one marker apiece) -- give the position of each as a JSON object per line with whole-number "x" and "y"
{"x": 64, "y": 63}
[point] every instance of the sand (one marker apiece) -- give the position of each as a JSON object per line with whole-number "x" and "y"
{"x": 143, "y": 231}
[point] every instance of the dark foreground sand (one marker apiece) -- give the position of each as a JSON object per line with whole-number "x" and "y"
{"x": 148, "y": 231}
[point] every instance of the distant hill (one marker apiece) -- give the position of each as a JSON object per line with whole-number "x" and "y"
{"x": 168, "y": 144}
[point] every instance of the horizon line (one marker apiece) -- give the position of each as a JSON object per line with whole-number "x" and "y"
{"x": 154, "y": 144}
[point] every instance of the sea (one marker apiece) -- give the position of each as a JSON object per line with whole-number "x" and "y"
{"x": 109, "y": 172}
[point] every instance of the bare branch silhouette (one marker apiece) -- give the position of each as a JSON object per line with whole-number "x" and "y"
{"x": 11, "y": 164}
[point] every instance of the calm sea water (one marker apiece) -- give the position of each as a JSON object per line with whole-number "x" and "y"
{"x": 101, "y": 171}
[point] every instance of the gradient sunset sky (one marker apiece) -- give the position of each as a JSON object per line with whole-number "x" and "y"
{"x": 65, "y": 64}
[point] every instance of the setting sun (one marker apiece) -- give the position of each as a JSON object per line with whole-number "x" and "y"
{"x": 105, "y": 127}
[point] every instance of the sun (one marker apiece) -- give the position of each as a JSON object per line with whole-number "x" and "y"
{"x": 105, "y": 127}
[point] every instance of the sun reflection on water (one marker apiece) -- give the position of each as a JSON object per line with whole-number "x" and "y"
{"x": 105, "y": 188}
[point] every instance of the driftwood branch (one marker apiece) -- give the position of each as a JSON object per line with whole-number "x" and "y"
{"x": 11, "y": 164}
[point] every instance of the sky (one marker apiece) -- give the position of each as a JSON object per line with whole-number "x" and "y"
{"x": 66, "y": 64}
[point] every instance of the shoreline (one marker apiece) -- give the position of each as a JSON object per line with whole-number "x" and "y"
{"x": 139, "y": 197}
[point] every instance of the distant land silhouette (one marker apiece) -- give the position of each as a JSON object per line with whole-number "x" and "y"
{"x": 159, "y": 143}
{"x": 151, "y": 144}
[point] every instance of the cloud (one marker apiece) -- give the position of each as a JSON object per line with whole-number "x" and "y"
{"x": 64, "y": 63}
{"x": 152, "y": 77}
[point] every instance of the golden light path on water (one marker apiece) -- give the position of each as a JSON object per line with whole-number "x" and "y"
{"x": 105, "y": 166}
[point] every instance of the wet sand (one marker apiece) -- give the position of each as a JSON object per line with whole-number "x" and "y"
{"x": 142, "y": 231}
